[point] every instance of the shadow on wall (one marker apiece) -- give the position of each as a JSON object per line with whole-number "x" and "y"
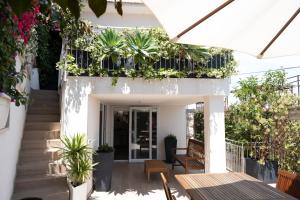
{"x": 76, "y": 91}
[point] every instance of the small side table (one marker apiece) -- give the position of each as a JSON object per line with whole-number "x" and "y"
{"x": 155, "y": 166}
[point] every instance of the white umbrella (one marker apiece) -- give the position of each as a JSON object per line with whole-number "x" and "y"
{"x": 263, "y": 28}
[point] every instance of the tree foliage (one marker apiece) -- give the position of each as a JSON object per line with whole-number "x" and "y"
{"x": 261, "y": 117}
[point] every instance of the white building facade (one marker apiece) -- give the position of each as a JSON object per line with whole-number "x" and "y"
{"x": 135, "y": 116}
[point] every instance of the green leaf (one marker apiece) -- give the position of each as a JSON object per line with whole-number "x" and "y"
{"x": 98, "y": 6}
{"x": 118, "y": 7}
{"x": 72, "y": 5}
{"x": 62, "y": 3}
{"x": 20, "y": 6}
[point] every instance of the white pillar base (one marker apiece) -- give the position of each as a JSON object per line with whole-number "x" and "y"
{"x": 214, "y": 134}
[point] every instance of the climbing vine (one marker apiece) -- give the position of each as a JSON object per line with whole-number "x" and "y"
{"x": 15, "y": 39}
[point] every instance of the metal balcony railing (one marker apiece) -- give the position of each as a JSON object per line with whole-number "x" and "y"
{"x": 83, "y": 60}
{"x": 294, "y": 81}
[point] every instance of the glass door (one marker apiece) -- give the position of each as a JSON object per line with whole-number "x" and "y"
{"x": 141, "y": 138}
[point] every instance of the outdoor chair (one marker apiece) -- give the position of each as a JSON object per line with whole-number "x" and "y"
{"x": 193, "y": 158}
{"x": 289, "y": 183}
{"x": 167, "y": 188}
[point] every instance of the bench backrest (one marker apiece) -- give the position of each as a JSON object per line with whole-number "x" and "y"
{"x": 195, "y": 149}
{"x": 289, "y": 183}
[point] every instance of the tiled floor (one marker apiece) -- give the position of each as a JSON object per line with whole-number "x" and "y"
{"x": 130, "y": 183}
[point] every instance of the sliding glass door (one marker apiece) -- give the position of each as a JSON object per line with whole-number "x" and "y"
{"x": 142, "y": 134}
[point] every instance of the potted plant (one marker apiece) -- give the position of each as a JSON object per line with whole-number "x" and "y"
{"x": 104, "y": 156}
{"x": 263, "y": 169}
{"x": 170, "y": 145}
{"x": 77, "y": 158}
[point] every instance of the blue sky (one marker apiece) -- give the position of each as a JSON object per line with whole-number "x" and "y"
{"x": 248, "y": 64}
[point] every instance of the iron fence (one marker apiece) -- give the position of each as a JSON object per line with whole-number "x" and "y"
{"x": 84, "y": 60}
{"x": 236, "y": 152}
{"x": 294, "y": 81}
{"x": 235, "y": 161}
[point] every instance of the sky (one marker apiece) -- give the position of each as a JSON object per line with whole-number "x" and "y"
{"x": 248, "y": 64}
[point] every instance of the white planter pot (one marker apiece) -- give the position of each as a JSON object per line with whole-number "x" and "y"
{"x": 89, "y": 188}
{"x": 4, "y": 110}
{"x": 79, "y": 192}
{"x": 35, "y": 81}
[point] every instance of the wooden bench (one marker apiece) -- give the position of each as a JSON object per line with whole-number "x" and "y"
{"x": 194, "y": 157}
{"x": 289, "y": 183}
{"x": 155, "y": 166}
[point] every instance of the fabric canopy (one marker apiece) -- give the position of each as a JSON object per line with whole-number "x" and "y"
{"x": 263, "y": 28}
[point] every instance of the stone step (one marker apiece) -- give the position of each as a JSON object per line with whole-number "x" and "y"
{"x": 40, "y": 144}
{"x": 42, "y": 103}
{"x": 45, "y": 193}
{"x": 41, "y": 135}
{"x": 44, "y": 111}
{"x": 39, "y": 186}
{"x": 47, "y": 126}
{"x": 44, "y": 95}
{"x": 41, "y": 168}
{"x": 44, "y": 92}
{"x": 43, "y": 118}
{"x": 38, "y": 155}
{"x": 35, "y": 100}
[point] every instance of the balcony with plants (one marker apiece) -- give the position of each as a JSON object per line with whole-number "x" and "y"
{"x": 144, "y": 53}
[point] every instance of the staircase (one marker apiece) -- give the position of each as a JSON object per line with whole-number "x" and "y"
{"x": 39, "y": 172}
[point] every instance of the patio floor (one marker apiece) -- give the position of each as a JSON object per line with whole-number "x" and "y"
{"x": 130, "y": 182}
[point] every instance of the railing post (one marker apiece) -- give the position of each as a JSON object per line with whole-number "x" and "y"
{"x": 243, "y": 159}
{"x": 298, "y": 86}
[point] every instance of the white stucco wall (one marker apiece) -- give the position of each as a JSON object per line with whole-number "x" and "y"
{"x": 75, "y": 98}
{"x": 93, "y": 121}
{"x": 10, "y": 142}
{"x": 134, "y": 15}
{"x": 170, "y": 120}
{"x": 82, "y": 97}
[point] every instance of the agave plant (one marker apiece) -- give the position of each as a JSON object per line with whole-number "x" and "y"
{"x": 77, "y": 157}
{"x": 193, "y": 52}
{"x": 111, "y": 44}
{"x": 142, "y": 47}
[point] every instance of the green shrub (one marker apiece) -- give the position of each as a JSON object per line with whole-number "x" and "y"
{"x": 261, "y": 116}
{"x": 105, "y": 148}
{"x": 199, "y": 125}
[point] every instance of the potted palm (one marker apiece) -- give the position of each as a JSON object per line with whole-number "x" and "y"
{"x": 77, "y": 158}
{"x": 170, "y": 145}
{"x": 103, "y": 171}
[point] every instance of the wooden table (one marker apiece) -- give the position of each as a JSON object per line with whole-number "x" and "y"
{"x": 155, "y": 166}
{"x": 231, "y": 186}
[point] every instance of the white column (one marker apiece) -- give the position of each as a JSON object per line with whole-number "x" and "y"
{"x": 214, "y": 134}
